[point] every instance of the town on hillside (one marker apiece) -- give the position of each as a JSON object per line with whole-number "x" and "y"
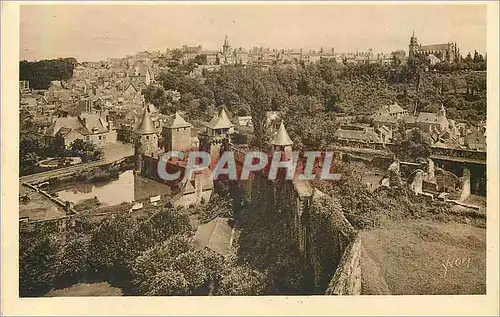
{"x": 406, "y": 131}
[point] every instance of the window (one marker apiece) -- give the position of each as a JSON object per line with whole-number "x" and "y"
{"x": 87, "y": 138}
{"x": 147, "y": 137}
{"x": 100, "y": 137}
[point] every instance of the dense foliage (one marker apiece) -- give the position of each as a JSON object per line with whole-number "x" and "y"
{"x": 411, "y": 145}
{"x": 41, "y": 73}
{"x": 312, "y": 96}
{"x": 38, "y": 259}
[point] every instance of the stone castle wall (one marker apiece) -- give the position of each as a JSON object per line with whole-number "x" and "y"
{"x": 347, "y": 277}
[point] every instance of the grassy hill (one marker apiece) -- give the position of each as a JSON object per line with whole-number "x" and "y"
{"x": 410, "y": 257}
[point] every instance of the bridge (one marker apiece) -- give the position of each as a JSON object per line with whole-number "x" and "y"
{"x": 66, "y": 171}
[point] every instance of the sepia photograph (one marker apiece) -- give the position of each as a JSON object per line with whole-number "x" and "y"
{"x": 251, "y": 149}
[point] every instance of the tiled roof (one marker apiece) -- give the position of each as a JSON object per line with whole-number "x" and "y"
{"x": 93, "y": 122}
{"x": 385, "y": 118}
{"x": 395, "y": 108}
{"x": 282, "y": 138}
{"x": 63, "y": 122}
{"x": 146, "y": 126}
{"x": 434, "y": 47}
{"x": 220, "y": 121}
{"x": 427, "y": 117}
{"x": 215, "y": 235}
{"x": 176, "y": 121}
{"x": 409, "y": 119}
{"x": 356, "y": 135}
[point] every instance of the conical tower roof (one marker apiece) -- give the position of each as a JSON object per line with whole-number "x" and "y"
{"x": 220, "y": 122}
{"x": 178, "y": 122}
{"x": 282, "y": 138}
{"x": 146, "y": 126}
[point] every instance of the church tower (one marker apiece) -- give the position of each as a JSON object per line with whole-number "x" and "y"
{"x": 226, "y": 48}
{"x": 146, "y": 141}
{"x": 413, "y": 47}
{"x": 282, "y": 142}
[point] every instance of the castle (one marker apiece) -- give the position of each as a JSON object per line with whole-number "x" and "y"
{"x": 179, "y": 135}
{"x": 444, "y": 52}
{"x": 296, "y": 201}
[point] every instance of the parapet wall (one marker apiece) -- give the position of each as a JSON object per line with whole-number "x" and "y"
{"x": 347, "y": 277}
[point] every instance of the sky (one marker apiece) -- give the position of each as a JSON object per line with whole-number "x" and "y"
{"x": 95, "y": 32}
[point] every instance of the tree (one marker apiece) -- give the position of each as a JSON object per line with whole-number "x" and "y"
{"x": 167, "y": 283}
{"x": 86, "y": 149}
{"x": 201, "y": 59}
{"x": 242, "y": 281}
{"x": 111, "y": 245}
{"x": 177, "y": 54}
{"x": 38, "y": 259}
{"x": 258, "y": 98}
{"x": 74, "y": 259}
{"x": 218, "y": 206}
{"x": 41, "y": 73}
{"x": 27, "y": 163}
{"x": 413, "y": 145}
{"x": 193, "y": 268}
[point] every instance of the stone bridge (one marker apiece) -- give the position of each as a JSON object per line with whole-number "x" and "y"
{"x": 66, "y": 171}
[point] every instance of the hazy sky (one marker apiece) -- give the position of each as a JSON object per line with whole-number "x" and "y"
{"x": 92, "y": 32}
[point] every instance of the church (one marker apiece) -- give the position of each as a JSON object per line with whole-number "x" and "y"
{"x": 444, "y": 52}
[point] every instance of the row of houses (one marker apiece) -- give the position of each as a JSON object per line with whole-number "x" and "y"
{"x": 443, "y": 131}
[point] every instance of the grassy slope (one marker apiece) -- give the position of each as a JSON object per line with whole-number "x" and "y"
{"x": 408, "y": 258}
{"x": 86, "y": 289}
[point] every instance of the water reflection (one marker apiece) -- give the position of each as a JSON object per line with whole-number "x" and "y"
{"x": 108, "y": 193}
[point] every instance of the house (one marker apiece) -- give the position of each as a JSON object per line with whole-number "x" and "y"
{"x": 272, "y": 116}
{"x": 91, "y": 127}
{"x": 385, "y": 134}
{"x": 133, "y": 93}
{"x": 393, "y": 110}
{"x": 385, "y": 119}
{"x": 367, "y": 135}
{"x": 427, "y": 121}
{"x": 476, "y": 140}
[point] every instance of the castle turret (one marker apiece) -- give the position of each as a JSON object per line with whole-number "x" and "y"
{"x": 217, "y": 133}
{"x": 177, "y": 134}
{"x": 146, "y": 140}
{"x": 282, "y": 141}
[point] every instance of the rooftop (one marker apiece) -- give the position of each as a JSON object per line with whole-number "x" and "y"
{"x": 176, "y": 121}
{"x": 215, "y": 235}
{"x": 220, "y": 121}
{"x": 282, "y": 138}
{"x": 146, "y": 126}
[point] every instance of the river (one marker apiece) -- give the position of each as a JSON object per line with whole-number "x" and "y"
{"x": 108, "y": 193}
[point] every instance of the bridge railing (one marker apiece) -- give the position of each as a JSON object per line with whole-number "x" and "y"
{"x": 462, "y": 153}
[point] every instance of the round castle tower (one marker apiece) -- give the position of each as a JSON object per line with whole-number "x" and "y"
{"x": 146, "y": 141}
